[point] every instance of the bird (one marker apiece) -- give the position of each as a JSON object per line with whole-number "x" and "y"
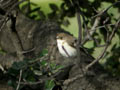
{"x": 66, "y": 45}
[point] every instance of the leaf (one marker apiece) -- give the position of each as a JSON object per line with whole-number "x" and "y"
{"x": 26, "y": 5}
{"x": 37, "y": 72}
{"x": 42, "y": 15}
{"x": 65, "y": 22}
{"x": 114, "y": 46}
{"x": 45, "y": 51}
{"x": 19, "y": 65}
{"x": 53, "y": 66}
{"x": 49, "y": 85}
{"x": 43, "y": 63}
{"x": 34, "y": 4}
{"x": 35, "y": 9}
{"x": 30, "y": 78}
{"x": 26, "y": 8}
{"x": 53, "y": 7}
{"x": 10, "y": 83}
{"x": 2, "y": 51}
{"x": 52, "y": 15}
{"x": 33, "y": 16}
{"x": 59, "y": 67}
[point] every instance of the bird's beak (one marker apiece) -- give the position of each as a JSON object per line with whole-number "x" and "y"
{"x": 57, "y": 37}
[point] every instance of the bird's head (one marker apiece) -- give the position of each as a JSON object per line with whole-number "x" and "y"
{"x": 63, "y": 37}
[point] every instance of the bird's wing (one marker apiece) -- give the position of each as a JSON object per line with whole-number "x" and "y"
{"x": 73, "y": 42}
{"x": 84, "y": 50}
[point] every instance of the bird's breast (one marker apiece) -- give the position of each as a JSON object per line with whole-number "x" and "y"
{"x": 65, "y": 49}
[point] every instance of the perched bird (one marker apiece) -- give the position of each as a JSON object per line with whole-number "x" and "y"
{"x": 66, "y": 45}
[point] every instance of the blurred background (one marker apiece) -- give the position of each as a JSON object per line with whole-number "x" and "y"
{"x": 63, "y": 13}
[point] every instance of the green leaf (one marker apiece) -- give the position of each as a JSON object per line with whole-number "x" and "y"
{"x": 30, "y": 78}
{"x": 37, "y": 72}
{"x": 19, "y": 65}
{"x": 49, "y": 85}
{"x": 59, "y": 67}
{"x": 42, "y": 15}
{"x": 53, "y": 66}
{"x": 10, "y": 83}
{"x": 43, "y": 63}
{"x": 44, "y": 51}
{"x": 35, "y": 9}
{"x": 53, "y": 7}
{"x": 65, "y": 22}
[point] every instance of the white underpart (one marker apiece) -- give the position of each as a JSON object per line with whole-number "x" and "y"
{"x": 70, "y": 50}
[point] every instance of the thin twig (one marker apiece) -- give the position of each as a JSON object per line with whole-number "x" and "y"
{"x": 19, "y": 80}
{"x": 37, "y": 82}
{"x": 31, "y": 83}
{"x": 45, "y": 57}
{"x": 27, "y": 51}
{"x": 68, "y": 81}
{"x": 103, "y": 26}
{"x": 80, "y": 28}
{"x": 91, "y": 31}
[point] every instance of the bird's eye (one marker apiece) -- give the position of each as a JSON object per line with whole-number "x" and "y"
{"x": 61, "y": 38}
{"x": 57, "y": 37}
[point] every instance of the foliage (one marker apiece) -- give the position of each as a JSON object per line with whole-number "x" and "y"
{"x": 34, "y": 72}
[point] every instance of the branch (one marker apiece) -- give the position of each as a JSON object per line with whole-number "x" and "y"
{"x": 80, "y": 28}
{"x": 105, "y": 48}
{"x": 9, "y": 12}
{"x": 103, "y": 26}
{"x": 37, "y": 82}
{"x": 31, "y": 83}
{"x": 91, "y": 31}
{"x": 79, "y": 40}
{"x": 11, "y": 30}
{"x": 68, "y": 81}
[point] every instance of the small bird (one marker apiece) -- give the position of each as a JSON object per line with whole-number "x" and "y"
{"x": 66, "y": 45}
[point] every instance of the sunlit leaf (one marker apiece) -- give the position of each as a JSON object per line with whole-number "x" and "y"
{"x": 37, "y": 72}
{"x": 43, "y": 63}
{"x": 49, "y": 85}
{"x": 35, "y": 9}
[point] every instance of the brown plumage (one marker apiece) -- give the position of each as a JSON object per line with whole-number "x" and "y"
{"x": 68, "y": 38}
